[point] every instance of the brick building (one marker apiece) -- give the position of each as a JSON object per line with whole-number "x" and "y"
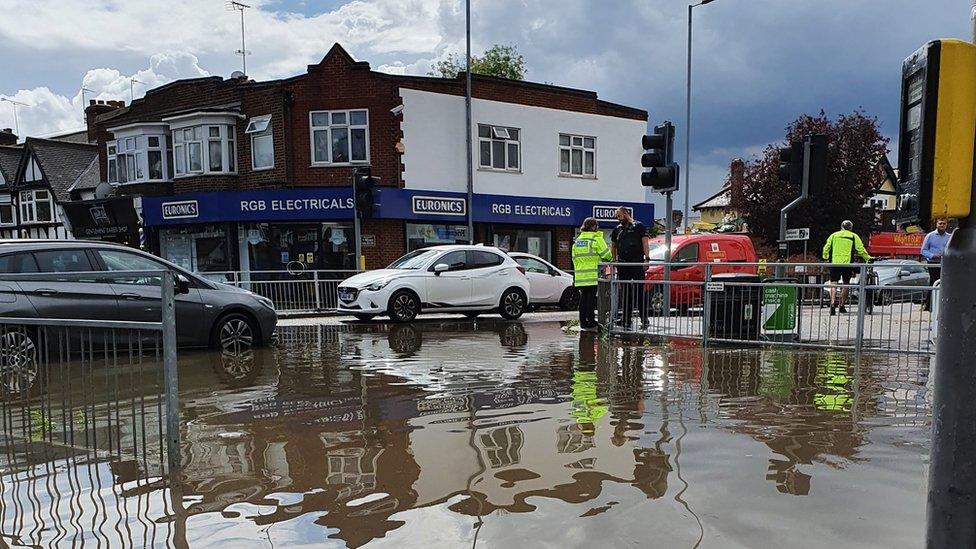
{"x": 232, "y": 174}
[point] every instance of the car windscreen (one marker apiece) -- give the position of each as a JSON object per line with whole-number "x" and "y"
{"x": 415, "y": 260}
{"x": 658, "y": 252}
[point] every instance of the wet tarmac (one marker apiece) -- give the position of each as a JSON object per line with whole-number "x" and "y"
{"x": 506, "y": 434}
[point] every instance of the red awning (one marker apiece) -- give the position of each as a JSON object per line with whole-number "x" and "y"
{"x": 895, "y": 244}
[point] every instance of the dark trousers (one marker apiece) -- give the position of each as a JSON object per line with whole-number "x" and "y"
{"x": 934, "y": 274}
{"x": 587, "y": 306}
{"x": 632, "y": 293}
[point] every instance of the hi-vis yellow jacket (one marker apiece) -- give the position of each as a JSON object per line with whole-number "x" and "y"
{"x": 589, "y": 249}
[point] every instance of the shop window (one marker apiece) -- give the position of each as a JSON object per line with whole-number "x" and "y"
{"x": 499, "y": 148}
{"x": 262, "y": 142}
{"x": 422, "y": 235}
{"x": 8, "y": 214}
{"x": 36, "y": 206}
{"x": 278, "y": 247}
{"x": 577, "y": 155}
{"x": 201, "y": 248}
{"x": 339, "y": 137}
{"x": 528, "y": 241}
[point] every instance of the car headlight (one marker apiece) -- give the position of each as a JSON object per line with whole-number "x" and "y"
{"x": 377, "y": 286}
{"x": 265, "y": 301}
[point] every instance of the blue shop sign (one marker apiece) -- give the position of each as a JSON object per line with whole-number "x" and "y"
{"x": 551, "y": 211}
{"x": 271, "y": 205}
{"x": 423, "y": 205}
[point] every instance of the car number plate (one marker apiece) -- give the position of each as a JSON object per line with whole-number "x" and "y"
{"x": 346, "y": 295}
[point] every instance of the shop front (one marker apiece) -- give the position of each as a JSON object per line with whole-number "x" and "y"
{"x": 255, "y": 232}
{"x": 536, "y": 225}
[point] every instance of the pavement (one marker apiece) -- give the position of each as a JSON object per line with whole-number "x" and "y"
{"x": 337, "y": 320}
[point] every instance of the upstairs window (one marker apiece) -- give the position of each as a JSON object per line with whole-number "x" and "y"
{"x": 138, "y": 158}
{"x": 205, "y": 149}
{"x": 262, "y": 142}
{"x": 32, "y": 172}
{"x": 577, "y": 155}
{"x": 499, "y": 148}
{"x": 339, "y": 137}
{"x": 8, "y": 214}
{"x": 36, "y": 206}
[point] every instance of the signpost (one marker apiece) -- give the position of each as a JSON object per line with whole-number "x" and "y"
{"x": 779, "y": 318}
{"x": 798, "y": 234}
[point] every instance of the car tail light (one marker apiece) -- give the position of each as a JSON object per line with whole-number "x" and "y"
{"x": 521, "y": 269}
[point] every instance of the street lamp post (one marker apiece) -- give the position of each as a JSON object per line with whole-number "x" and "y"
{"x": 688, "y": 120}
{"x": 467, "y": 118}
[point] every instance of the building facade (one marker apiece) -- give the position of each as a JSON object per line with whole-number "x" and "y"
{"x": 256, "y": 176}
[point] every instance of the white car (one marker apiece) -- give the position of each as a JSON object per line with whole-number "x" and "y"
{"x": 549, "y": 285}
{"x": 465, "y": 279}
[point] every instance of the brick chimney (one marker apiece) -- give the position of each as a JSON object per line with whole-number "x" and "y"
{"x": 8, "y": 137}
{"x": 93, "y": 110}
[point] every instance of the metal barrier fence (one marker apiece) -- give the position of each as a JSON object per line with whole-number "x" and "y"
{"x": 882, "y": 306}
{"x": 77, "y": 397}
{"x": 300, "y": 291}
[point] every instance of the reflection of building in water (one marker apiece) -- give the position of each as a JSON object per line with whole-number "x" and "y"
{"x": 502, "y": 445}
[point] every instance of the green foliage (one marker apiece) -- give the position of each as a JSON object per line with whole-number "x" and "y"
{"x": 499, "y": 60}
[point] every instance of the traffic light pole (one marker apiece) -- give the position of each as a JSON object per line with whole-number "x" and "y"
{"x": 669, "y": 230}
{"x": 784, "y": 213}
{"x": 952, "y": 461}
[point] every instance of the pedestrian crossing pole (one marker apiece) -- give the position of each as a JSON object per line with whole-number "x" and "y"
{"x": 938, "y": 124}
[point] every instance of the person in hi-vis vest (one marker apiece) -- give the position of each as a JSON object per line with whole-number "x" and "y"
{"x": 589, "y": 249}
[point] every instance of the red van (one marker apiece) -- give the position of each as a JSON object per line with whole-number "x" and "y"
{"x": 728, "y": 252}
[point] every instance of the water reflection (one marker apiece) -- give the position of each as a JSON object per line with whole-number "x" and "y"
{"x": 507, "y": 432}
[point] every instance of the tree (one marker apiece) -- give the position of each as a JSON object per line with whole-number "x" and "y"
{"x": 498, "y": 60}
{"x": 855, "y": 148}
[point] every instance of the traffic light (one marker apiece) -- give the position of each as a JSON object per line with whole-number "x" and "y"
{"x": 936, "y": 138}
{"x": 817, "y": 179}
{"x": 791, "y": 163}
{"x": 661, "y": 173}
{"x": 364, "y": 192}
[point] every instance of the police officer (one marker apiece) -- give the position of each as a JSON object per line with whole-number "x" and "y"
{"x": 630, "y": 245}
{"x": 839, "y": 250}
{"x": 589, "y": 250}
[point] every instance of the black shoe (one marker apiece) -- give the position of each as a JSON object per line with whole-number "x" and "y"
{"x": 843, "y": 309}
{"x": 833, "y": 311}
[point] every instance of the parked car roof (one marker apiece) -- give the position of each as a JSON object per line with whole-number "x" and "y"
{"x": 20, "y": 244}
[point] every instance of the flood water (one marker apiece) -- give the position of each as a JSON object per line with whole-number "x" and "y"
{"x": 507, "y": 434}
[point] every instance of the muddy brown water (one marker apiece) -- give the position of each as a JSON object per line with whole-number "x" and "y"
{"x": 507, "y": 434}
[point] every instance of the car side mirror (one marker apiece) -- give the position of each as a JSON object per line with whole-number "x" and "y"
{"x": 440, "y": 268}
{"x": 903, "y": 273}
{"x": 182, "y": 284}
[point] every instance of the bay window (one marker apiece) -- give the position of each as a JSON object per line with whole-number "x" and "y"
{"x": 138, "y": 154}
{"x": 204, "y": 143}
{"x": 339, "y": 137}
{"x": 577, "y": 155}
{"x": 36, "y": 206}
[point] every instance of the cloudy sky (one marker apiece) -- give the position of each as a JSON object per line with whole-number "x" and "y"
{"x": 757, "y": 63}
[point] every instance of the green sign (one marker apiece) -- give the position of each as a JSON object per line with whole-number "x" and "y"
{"x": 779, "y": 308}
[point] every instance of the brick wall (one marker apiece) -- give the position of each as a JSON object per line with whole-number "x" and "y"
{"x": 564, "y": 259}
{"x": 391, "y": 241}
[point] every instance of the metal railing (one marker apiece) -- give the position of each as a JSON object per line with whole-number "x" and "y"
{"x": 82, "y": 397}
{"x": 301, "y": 291}
{"x": 882, "y": 306}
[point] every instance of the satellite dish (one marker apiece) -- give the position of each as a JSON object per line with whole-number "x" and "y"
{"x": 103, "y": 190}
{"x": 237, "y": 74}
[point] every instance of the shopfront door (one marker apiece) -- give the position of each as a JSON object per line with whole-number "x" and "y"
{"x": 528, "y": 240}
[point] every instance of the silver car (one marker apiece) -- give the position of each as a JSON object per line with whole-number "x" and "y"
{"x": 208, "y": 314}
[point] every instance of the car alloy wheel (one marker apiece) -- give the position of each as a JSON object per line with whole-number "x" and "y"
{"x": 236, "y": 334}
{"x": 403, "y": 307}
{"x": 513, "y": 304}
{"x": 18, "y": 362}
